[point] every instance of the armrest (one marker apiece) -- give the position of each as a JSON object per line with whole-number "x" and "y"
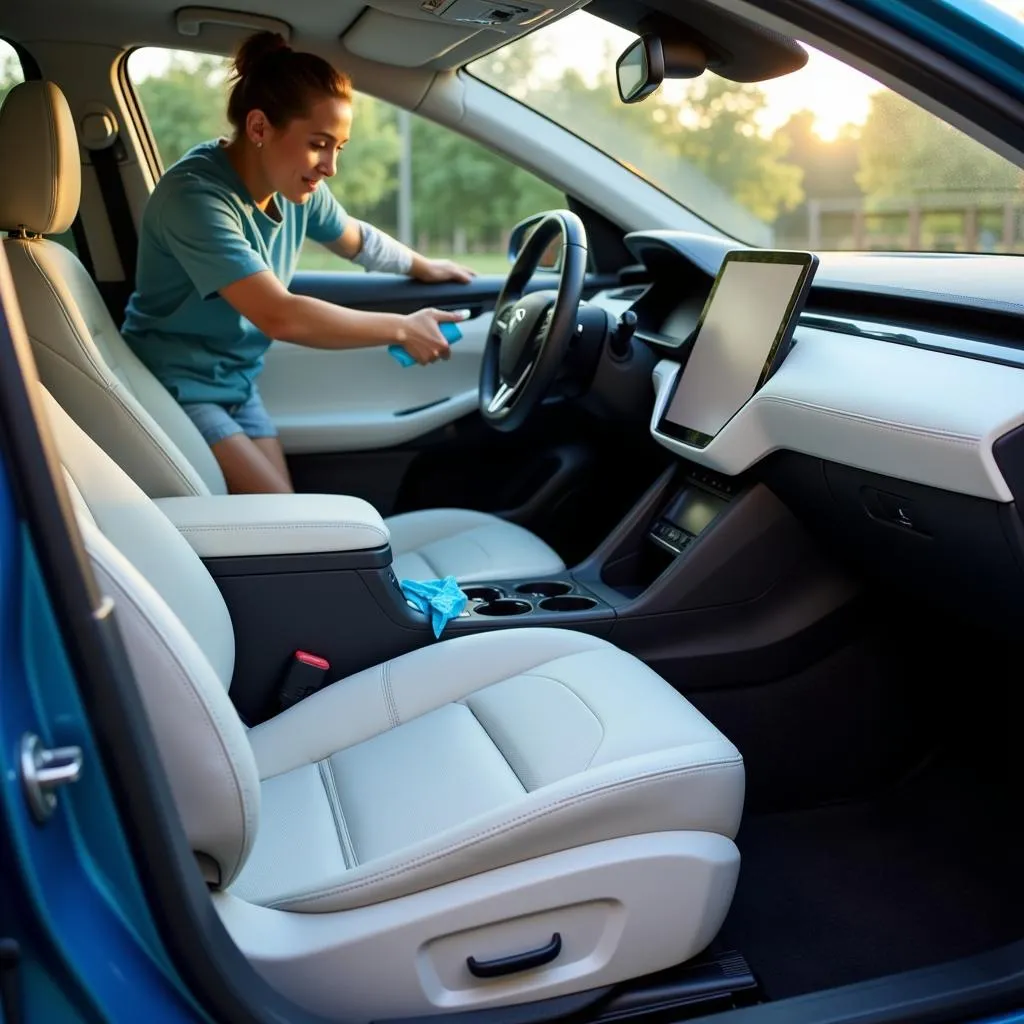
{"x": 234, "y": 525}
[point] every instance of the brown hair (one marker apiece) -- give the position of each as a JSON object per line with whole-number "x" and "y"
{"x": 270, "y": 76}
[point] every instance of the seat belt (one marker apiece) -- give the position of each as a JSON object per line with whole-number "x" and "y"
{"x": 106, "y": 161}
{"x": 102, "y": 140}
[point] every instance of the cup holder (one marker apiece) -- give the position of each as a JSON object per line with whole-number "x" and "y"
{"x": 506, "y": 606}
{"x": 567, "y": 604}
{"x": 482, "y": 593}
{"x": 544, "y": 588}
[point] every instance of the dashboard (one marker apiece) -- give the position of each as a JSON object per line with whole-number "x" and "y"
{"x": 895, "y": 424}
{"x": 926, "y": 404}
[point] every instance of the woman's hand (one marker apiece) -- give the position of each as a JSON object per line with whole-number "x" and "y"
{"x": 439, "y": 271}
{"x": 422, "y": 338}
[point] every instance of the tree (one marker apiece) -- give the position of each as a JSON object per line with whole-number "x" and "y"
{"x": 368, "y": 166}
{"x": 906, "y": 152}
{"x": 460, "y": 186}
{"x": 829, "y": 168}
{"x": 704, "y": 149}
{"x": 719, "y": 135}
{"x": 185, "y": 104}
{"x": 10, "y": 71}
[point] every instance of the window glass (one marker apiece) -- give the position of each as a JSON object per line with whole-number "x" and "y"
{"x": 10, "y": 69}
{"x": 461, "y": 200}
{"x": 822, "y": 158}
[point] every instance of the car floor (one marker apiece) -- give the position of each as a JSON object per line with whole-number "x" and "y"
{"x": 926, "y": 872}
{"x": 881, "y": 831}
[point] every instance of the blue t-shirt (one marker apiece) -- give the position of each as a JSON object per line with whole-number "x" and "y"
{"x": 201, "y": 231}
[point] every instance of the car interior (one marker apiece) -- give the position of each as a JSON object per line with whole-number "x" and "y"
{"x": 729, "y": 719}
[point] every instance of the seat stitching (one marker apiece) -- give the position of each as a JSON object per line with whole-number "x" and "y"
{"x": 330, "y": 784}
{"x": 465, "y": 703}
{"x": 51, "y": 124}
{"x": 581, "y": 796}
{"x": 570, "y": 690}
{"x": 565, "y": 686}
{"x": 391, "y": 694}
{"x": 388, "y": 694}
{"x": 103, "y": 384}
{"x": 321, "y": 524}
{"x": 111, "y": 390}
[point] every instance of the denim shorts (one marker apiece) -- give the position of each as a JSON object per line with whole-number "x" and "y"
{"x": 216, "y": 422}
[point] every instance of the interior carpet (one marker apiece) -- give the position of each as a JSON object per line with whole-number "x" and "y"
{"x": 928, "y": 872}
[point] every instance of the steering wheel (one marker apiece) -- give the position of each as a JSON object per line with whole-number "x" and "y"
{"x": 530, "y": 334}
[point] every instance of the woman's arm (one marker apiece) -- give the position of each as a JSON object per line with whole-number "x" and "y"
{"x": 350, "y": 244}
{"x": 266, "y": 303}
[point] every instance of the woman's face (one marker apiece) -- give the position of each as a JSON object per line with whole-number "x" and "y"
{"x": 298, "y": 156}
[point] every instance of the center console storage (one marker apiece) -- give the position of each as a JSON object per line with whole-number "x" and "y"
{"x": 514, "y": 598}
{"x": 685, "y": 574}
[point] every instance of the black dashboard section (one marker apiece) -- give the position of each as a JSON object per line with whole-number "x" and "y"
{"x": 682, "y": 266}
{"x": 962, "y": 552}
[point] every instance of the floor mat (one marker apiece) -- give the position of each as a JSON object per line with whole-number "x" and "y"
{"x": 834, "y": 895}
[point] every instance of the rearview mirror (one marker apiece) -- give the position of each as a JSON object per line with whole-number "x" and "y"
{"x": 649, "y": 60}
{"x": 640, "y": 69}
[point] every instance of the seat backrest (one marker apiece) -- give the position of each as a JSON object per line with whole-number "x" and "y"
{"x": 180, "y": 642}
{"x": 82, "y": 358}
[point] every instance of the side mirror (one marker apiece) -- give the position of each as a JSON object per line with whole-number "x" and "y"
{"x": 640, "y": 69}
{"x": 649, "y": 60}
{"x": 552, "y": 257}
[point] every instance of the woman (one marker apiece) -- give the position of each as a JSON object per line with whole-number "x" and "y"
{"x": 220, "y": 238}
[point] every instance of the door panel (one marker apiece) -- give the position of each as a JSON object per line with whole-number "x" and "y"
{"x": 393, "y": 293}
{"x": 363, "y": 398}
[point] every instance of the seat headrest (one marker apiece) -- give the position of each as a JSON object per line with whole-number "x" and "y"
{"x": 40, "y": 169}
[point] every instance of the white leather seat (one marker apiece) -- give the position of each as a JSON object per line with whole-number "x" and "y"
{"x": 473, "y": 798}
{"x": 108, "y": 391}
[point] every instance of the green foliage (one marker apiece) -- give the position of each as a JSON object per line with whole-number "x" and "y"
{"x": 720, "y": 138}
{"x": 706, "y": 143}
{"x": 703, "y": 144}
{"x": 10, "y": 71}
{"x": 458, "y": 185}
{"x": 186, "y": 104}
{"x": 368, "y": 167}
{"x": 907, "y": 153}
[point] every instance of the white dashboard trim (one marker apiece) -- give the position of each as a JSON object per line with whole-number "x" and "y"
{"x": 914, "y": 414}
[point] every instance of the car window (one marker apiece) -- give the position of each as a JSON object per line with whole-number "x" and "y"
{"x": 822, "y": 158}
{"x": 10, "y": 69}
{"x": 460, "y": 199}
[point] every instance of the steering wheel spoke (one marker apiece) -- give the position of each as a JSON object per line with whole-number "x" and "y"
{"x": 531, "y": 329}
{"x": 506, "y": 393}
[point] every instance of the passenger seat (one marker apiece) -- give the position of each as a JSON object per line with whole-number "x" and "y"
{"x": 536, "y": 794}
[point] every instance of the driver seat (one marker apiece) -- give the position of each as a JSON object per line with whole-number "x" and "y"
{"x": 93, "y": 374}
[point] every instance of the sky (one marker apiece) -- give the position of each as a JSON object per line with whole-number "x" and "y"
{"x": 836, "y": 94}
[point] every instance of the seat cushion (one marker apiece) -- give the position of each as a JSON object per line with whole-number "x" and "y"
{"x": 471, "y": 546}
{"x": 472, "y": 754}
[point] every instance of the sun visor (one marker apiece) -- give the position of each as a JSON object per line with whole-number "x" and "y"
{"x": 405, "y": 41}
{"x": 738, "y": 49}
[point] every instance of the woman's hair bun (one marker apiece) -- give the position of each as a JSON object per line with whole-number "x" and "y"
{"x": 255, "y": 48}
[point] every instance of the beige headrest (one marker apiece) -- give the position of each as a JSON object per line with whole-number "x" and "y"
{"x": 40, "y": 169}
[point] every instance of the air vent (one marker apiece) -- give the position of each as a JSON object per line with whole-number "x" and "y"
{"x": 485, "y": 13}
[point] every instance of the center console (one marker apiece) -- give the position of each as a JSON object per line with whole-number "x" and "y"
{"x": 686, "y": 574}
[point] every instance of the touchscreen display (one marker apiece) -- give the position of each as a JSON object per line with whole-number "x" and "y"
{"x": 745, "y": 326}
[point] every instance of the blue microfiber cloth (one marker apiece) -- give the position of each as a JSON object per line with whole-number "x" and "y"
{"x": 442, "y": 600}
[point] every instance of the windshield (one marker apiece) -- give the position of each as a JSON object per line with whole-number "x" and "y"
{"x": 823, "y": 158}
